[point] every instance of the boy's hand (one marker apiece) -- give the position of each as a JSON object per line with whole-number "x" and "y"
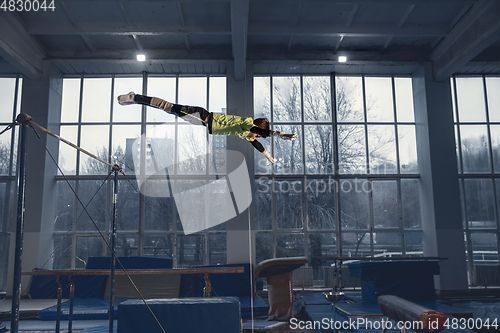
{"x": 288, "y": 136}
{"x": 269, "y": 157}
{"x": 284, "y": 136}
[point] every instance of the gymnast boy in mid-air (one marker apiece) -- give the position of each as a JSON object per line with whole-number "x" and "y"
{"x": 217, "y": 123}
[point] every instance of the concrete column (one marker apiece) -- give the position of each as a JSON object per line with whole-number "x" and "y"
{"x": 241, "y": 244}
{"x": 443, "y": 234}
{"x": 41, "y": 99}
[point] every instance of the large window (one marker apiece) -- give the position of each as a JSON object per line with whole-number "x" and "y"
{"x": 476, "y": 106}
{"x": 349, "y": 184}
{"x": 10, "y": 98}
{"x": 147, "y": 225}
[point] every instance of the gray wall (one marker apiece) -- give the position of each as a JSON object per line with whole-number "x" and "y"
{"x": 440, "y": 196}
{"x": 41, "y": 99}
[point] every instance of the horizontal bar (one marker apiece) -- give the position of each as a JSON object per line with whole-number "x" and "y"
{"x": 208, "y": 270}
{"x": 28, "y": 121}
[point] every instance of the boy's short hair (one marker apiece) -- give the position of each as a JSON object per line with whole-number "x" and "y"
{"x": 262, "y": 123}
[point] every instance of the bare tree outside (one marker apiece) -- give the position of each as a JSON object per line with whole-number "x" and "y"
{"x": 364, "y": 146}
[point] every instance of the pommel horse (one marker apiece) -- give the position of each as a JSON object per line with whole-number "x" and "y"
{"x": 278, "y": 272}
{"x": 400, "y": 310}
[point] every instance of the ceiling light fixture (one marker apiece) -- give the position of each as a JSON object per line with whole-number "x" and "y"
{"x": 141, "y": 57}
{"x": 342, "y": 58}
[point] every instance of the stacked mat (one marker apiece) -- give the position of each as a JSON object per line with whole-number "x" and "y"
{"x": 209, "y": 315}
{"x": 411, "y": 280}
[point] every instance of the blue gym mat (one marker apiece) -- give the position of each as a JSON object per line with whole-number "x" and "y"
{"x": 398, "y": 331}
{"x": 325, "y": 308}
{"x": 356, "y": 297}
{"x": 246, "y": 326}
{"x": 39, "y": 325}
{"x": 98, "y": 308}
{"x": 314, "y": 298}
{"x": 83, "y": 309}
{"x": 263, "y": 325}
{"x": 99, "y": 329}
{"x": 209, "y": 315}
{"x": 260, "y": 307}
{"x": 367, "y": 310}
{"x": 392, "y": 269}
{"x": 359, "y": 309}
{"x": 372, "y": 309}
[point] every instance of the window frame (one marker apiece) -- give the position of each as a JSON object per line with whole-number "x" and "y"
{"x": 10, "y": 180}
{"x": 141, "y": 233}
{"x": 492, "y": 176}
{"x": 303, "y": 177}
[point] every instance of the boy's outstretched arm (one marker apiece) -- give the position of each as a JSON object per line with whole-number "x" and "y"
{"x": 267, "y": 133}
{"x": 261, "y": 148}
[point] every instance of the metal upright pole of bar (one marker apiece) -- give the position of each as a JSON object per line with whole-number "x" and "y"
{"x": 16, "y": 291}
{"x": 59, "y": 304}
{"x": 113, "y": 260}
{"x": 71, "y": 303}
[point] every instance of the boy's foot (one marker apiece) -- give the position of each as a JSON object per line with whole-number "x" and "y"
{"x": 126, "y": 99}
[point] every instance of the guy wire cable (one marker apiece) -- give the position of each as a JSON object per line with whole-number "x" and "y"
{"x": 9, "y": 127}
{"x": 149, "y": 207}
{"x": 73, "y": 224}
{"x": 30, "y": 123}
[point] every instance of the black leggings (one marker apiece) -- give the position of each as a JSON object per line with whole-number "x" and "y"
{"x": 193, "y": 114}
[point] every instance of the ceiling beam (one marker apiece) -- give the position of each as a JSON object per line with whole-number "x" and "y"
{"x": 239, "y": 31}
{"x": 361, "y": 30}
{"x": 348, "y": 23}
{"x": 477, "y": 30}
{"x": 297, "y": 15}
{"x": 225, "y": 54}
{"x": 104, "y": 28}
{"x": 18, "y": 48}
{"x": 153, "y": 54}
{"x": 137, "y": 43}
{"x": 126, "y": 16}
{"x": 344, "y": 2}
{"x": 73, "y": 21}
{"x": 364, "y": 30}
{"x": 353, "y": 12}
{"x": 181, "y": 16}
{"x": 361, "y": 2}
{"x": 400, "y": 24}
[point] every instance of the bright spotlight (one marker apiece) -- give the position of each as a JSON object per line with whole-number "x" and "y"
{"x": 342, "y": 58}
{"x": 141, "y": 57}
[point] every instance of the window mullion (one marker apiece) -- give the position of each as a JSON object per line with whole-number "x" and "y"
{"x": 336, "y": 168}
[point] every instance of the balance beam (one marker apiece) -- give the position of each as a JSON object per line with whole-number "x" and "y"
{"x": 400, "y": 310}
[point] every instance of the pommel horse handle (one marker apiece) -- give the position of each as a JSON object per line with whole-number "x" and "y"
{"x": 400, "y": 309}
